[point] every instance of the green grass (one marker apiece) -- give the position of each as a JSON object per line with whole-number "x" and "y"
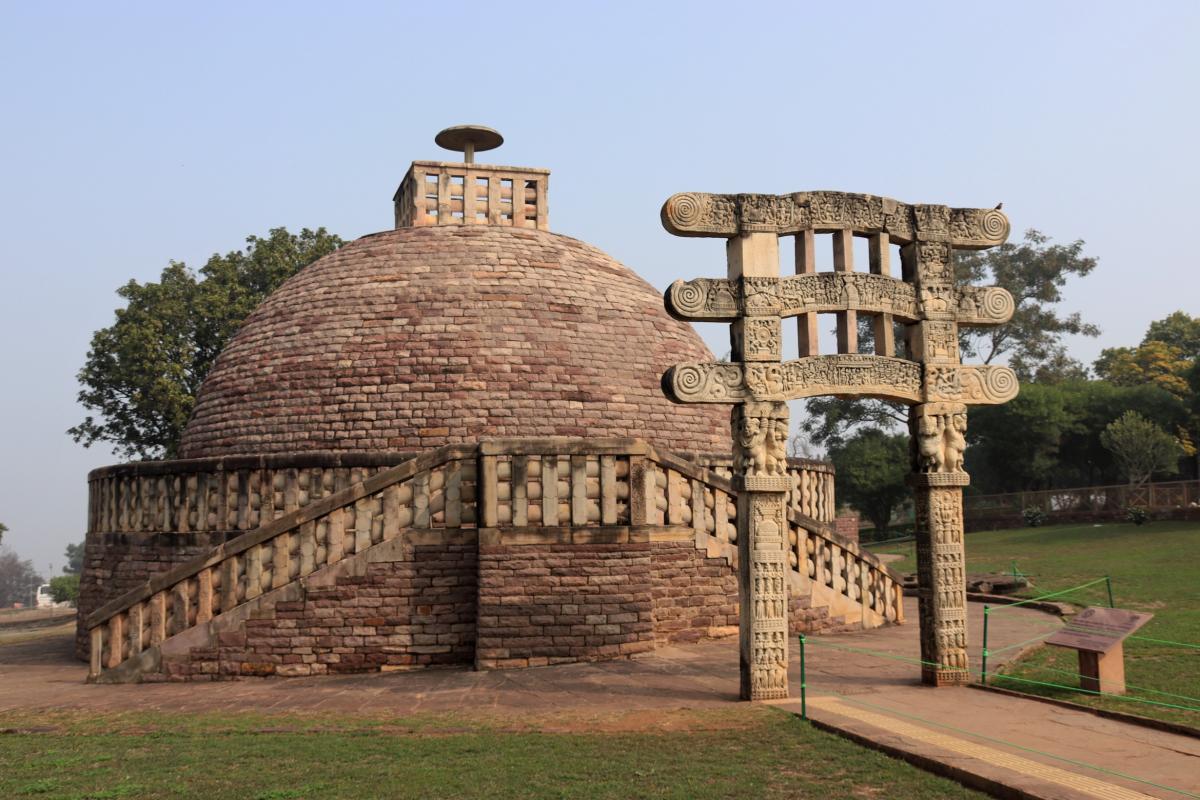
{"x": 747, "y": 751}
{"x": 1155, "y": 568}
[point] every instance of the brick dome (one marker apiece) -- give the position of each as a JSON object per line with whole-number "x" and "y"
{"x": 423, "y": 336}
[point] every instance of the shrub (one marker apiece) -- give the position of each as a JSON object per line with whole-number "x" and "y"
{"x": 65, "y": 589}
{"x": 1034, "y": 516}
{"x": 1137, "y": 515}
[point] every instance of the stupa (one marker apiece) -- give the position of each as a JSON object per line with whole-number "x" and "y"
{"x": 444, "y": 443}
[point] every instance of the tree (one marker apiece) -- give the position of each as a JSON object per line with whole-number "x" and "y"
{"x": 1035, "y": 273}
{"x": 1016, "y": 446}
{"x": 1180, "y": 330}
{"x": 18, "y": 579}
{"x": 1153, "y": 362}
{"x": 65, "y": 589}
{"x": 1049, "y": 435}
{"x": 3, "y": 530}
{"x": 74, "y": 556}
{"x": 142, "y": 372}
{"x": 1140, "y": 447}
{"x": 872, "y": 467}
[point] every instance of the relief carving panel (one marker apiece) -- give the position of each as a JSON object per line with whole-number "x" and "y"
{"x": 704, "y": 214}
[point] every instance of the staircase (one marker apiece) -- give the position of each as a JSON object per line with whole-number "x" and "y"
{"x": 549, "y": 493}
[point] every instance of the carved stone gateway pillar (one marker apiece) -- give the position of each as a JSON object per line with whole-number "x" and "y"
{"x": 760, "y": 432}
{"x": 929, "y": 378}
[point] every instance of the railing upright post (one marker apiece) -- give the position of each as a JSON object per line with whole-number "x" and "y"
{"x": 803, "y": 683}
{"x": 984, "y": 655}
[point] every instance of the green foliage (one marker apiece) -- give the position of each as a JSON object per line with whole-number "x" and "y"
{"x": 142, "y": 373}
{"x": 1034, "y": 272}
{"x": 871, "y": 470}
{"x": 1140, "y": 447}
{"x": 1153, "y": 362}
{"x": 1017, "y": 445}
{"x": 831, "y": 419}
{"x": 65, "y": 589}
{"x": 74, "y": 556}
{"x": 1049, "y": 435}
{"x": 3, "y": 530}
{"x": 1034, "y": 517}
{"x": 1179, "y": 330}
{"x": 1137, "y": 515}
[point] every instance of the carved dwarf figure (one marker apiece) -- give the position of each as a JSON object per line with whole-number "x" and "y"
{"x": 777, "y": 447}
{"x": 956, "y": 442}
{"x": 752, "y": 450}
{"x": 929, "y": 443}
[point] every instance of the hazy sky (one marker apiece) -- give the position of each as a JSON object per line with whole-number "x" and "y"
{"x": 137, "y": 133}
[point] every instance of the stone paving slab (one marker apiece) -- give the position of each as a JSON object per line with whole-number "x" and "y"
{"x": 853, "y": 690}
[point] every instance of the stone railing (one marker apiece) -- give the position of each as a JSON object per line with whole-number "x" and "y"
{"x": 514, "y": 491}
{"x": 221, "y": 494}
{"x": 283, "y": 550}
{"x": 235, "y": 494}
{"x": 854, "y": 575}
{"x": 701, "y": 499}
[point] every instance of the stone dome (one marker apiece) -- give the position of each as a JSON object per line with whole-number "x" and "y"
{"x": 423, "y": 336}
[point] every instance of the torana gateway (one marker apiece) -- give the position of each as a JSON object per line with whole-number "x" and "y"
{"x": 926, "y": 301}
{"x": 447, "y": 443}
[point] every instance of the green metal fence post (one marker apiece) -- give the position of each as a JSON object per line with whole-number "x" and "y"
{"x": 983, "y": 666}
{"x": 803, "y": 683}
{"x": 1108, "y": 581}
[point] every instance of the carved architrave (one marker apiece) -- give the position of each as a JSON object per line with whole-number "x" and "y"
{"x": 973, "y": 385}
{"x": 986, "y": 305}
{"x": 703, "y": 214}
{"x": 721, "y": 299}
{"x": 857, "y": 375}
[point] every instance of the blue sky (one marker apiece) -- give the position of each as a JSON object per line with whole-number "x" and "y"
{"x": 135, "y": 133}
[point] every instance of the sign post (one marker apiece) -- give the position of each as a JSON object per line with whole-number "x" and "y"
{"x": 1098, "y": 633}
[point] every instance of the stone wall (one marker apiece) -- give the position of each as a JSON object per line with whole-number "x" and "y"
{"x": 415, "y": 611}
{"x": 846, "y": 526}
{"x": 452, "y": 601}
{"x": 558, "y": 603}
{"x": 695, "y": 596}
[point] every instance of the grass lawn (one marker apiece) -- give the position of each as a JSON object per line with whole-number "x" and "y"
{"x": 747, "y": 751}
{"x": 1155, "y": 568}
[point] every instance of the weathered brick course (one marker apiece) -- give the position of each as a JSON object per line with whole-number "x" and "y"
{"x": 553, "y": 604}
{"x": 419, "y": 337}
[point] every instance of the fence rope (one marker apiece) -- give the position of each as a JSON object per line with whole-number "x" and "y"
{"x": 1165, "y": 641}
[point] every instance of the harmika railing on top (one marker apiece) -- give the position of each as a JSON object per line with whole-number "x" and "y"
{"x": 546, "y": 483}
{"x": 1089, "y": 499}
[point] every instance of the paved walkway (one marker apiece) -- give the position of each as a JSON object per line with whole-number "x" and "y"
{"x": 999, "y": 737}
{"x": 984, "y": 733}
